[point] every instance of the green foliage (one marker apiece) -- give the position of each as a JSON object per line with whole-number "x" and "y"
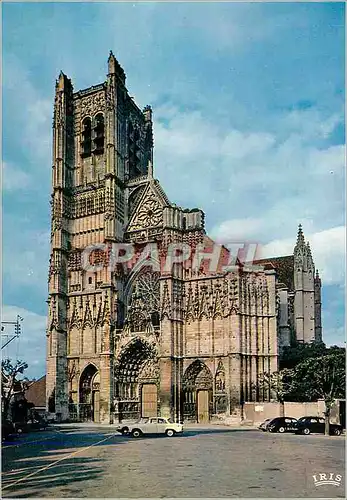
{"x": 321, "y": 374}
{"x": 322, "y": 377}
{"x": 299, "y": 351}
{"x": 278, "y": 384}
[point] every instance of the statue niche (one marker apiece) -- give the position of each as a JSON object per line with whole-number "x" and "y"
{"x": 220, "y": 399}
{"x": 220, "y": 381}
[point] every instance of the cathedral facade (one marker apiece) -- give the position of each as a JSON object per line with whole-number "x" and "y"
{"x": 147, "y": 315}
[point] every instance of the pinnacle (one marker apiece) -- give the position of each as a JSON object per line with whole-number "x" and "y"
{"x": 300, "y": 239}
{"x": 115, "y": 68}
{"x": 150, "y": 169}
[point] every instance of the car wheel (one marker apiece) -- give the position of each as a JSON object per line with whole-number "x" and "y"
{"x": 337, "y": 432}
{"x": 124, "y": 431}
{"x": 136, "y": 433}
{"x": 306, "y": 431}
{"x": 170, "y": 432}
{"x": 281, "y": 429}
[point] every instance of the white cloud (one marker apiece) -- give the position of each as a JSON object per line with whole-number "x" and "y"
{"x": 328, "y": 249}
{"x": 278, "y": 177}
{"x": 32, "y": 112}
{"x": 14, "y": 178}
{"x": 269, "y": 182}
{"x": 328, "y": 246}
{"x": 335, "y": 336}
{"x": 26, "y": 257}
{"x": 239, "y": 230}
{"x": 31, "y": 345}
{"x": 309, "y": 124}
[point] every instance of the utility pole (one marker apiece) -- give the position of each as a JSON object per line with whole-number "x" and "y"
{"x": 6, "y": 337}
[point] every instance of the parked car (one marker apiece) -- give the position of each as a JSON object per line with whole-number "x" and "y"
{"x": 282, "y": 424}
{"x": 263, "y": 426}
{"x": 154, "y": 425}
{"x": 7, "y": 429}
{"x": 36, "y": 423}
{"x": 306, "y": 425}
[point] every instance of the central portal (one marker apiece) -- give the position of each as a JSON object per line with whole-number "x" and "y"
{"x": 149, "y": 400}
{"x": 136, "y": 381}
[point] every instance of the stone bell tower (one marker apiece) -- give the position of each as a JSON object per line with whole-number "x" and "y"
{"x": 101, "y": 140}
{"x": 62, "y": 174}
{"x": 307, "y": 293}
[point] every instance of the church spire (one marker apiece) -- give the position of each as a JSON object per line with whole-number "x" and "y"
{"x": 300, "y": 246}
{"x": 300, "y": 241}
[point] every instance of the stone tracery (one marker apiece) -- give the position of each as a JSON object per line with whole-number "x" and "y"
{"x": 143, "y": 302}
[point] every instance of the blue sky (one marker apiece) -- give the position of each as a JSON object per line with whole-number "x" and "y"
{"x": 248, "y": 103}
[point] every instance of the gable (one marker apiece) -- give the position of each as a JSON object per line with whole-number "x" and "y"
{"x": 149, "y": 210}
{"x": 134, "y": 198}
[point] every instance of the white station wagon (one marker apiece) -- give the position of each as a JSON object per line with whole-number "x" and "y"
{"x": 153, "y": 425}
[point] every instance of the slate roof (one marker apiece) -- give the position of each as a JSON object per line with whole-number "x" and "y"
{"x": 284, "y": 267}
{"x": 36, "y": 392}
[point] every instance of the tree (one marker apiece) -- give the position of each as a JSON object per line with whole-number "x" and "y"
{"x": 299, "y": 351}
{"x": 321, "y": 378}
{"x": 9, "y": 374}
{"x": 278, "y": 385}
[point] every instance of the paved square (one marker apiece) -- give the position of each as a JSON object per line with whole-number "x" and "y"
{"x": 214, "y": 461}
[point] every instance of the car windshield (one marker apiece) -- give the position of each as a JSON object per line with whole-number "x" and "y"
{"x": 302, "y": 419}
{"x": 142, "y": 421}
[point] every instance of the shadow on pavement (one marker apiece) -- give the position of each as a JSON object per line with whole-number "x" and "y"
{"x": 45, "y": 467}
{"x": 69, "y": 474}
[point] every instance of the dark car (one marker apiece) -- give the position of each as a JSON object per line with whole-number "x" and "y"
{"x": 263, "y": 426}
{"x": 32, "y": 425}
{"x": 306, "y": 425}
{"x": 282, "y": 424}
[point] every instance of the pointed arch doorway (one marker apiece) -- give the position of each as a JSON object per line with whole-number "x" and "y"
{"x": 136, "y": 381}
{"x": 198, "y": 392}
{"x": 89, "y": 395}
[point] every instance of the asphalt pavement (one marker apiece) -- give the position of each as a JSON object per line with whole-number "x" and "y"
{"x": 86, "y": 461}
